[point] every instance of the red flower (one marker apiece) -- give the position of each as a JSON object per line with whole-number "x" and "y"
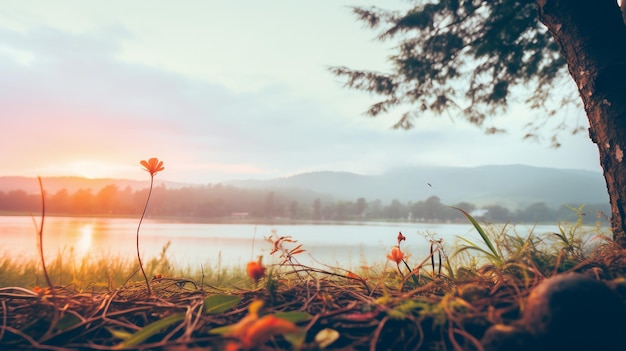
{"x": 255, "y": 269}
{"x": 400, "y": 237}
{"x": 152, "y": 166}
{"x": 396, "y": 255}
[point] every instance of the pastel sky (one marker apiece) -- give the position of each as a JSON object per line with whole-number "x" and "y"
{"x": 221, "y": 90}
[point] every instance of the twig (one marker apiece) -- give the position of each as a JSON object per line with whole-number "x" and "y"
{"x": 4, "y": 319}
{"x": 377, "y": 332}
{"x": 33, "y": 342}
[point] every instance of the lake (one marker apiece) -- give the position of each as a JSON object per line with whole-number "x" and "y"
{"x": 192, "y": 244}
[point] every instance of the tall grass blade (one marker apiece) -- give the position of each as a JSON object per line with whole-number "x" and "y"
{"x": 480, "y": 231}
{"x": 472, "y": 246}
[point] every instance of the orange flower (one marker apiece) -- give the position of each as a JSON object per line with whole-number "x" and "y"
{"x": 152, "y": 166}
{"x": 253, "y": 331}
{"x": 396, "y": 255}
{"x": 255, "y": 269}
{"x": 263, "y": 329}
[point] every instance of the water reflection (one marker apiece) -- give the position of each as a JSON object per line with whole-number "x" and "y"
{"x": 193, "y": 244}
{"x": 83, "y": 245}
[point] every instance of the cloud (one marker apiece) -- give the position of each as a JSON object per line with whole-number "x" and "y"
{"x": 73, "y": 96}
{"x": 76, "y": 99}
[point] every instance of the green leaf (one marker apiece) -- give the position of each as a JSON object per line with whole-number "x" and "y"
{"x": 490, "y": 256}
{"x": 150, "y": 330}
{"x": 220, "y": 303}
{"x": 119, "y": 334}
{"x": 223, "y": 330}
{"x": 294, "y": 316}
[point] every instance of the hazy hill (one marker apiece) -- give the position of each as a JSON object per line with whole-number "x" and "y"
{"x": 513, "y": 186}
{"x": 71, "y": 184}
{"x": 509, "y": 185}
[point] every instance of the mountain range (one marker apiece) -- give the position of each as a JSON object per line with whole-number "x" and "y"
{"x": 512, "y": 186}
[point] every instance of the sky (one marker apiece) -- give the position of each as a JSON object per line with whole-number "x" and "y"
{"x": 222, "y": 90}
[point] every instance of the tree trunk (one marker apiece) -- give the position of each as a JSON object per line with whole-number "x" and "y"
{"x": 592, "y": 38}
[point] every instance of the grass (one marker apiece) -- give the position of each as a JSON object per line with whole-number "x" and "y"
{"x": 107, "y": 272}
{"x": 437, "y": 302}
{"x": 434, "y": 302}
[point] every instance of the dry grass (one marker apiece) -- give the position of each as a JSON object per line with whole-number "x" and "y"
{"x": 439, "y": 314}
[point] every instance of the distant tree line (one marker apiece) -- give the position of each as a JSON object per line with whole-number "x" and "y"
{"x": 220, "y": 202}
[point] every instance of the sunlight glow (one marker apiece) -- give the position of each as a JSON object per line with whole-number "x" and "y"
{"x": 91, "y": 169}
{"x": 86, "y": 168}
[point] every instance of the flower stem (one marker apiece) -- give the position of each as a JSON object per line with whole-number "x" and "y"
{"x": 40, "y": 237}
{"x": 141, "y": 220}
{"x": 410, "y": 272}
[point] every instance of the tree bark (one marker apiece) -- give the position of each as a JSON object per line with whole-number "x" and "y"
{"x": 592, "y": 37}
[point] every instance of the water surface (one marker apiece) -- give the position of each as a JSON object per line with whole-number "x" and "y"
{"x": 193, "y": 244}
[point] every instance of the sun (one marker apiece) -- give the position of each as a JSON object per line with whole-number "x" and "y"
{"x": 91, "y": 169}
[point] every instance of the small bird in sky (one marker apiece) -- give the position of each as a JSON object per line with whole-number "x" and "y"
{"x": 429, "y": 185}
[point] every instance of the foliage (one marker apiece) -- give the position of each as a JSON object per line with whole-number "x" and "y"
{"x": 551, "y": 252}
{"x": 464, "y": 55}
{"x": 492, "y": 254}
{"x": 218, "y": 203}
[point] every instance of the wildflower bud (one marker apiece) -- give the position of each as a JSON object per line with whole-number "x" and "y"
{"x": 255, "y": 269}
{"x": 400, "y": 238}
